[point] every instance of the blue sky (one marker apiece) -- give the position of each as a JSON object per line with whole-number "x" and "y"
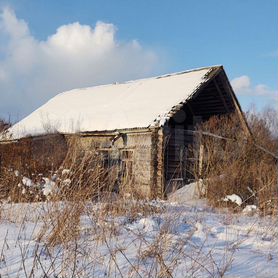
{"x": 163, "y": 36}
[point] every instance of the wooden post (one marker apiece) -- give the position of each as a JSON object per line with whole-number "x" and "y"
{"x": 201, "y": 157}
{"x": 200, "y": 169}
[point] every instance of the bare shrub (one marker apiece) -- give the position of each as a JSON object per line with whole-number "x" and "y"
{"x": 235, "y": 163}
{"x": 34, "y": 155}
{"x": 4, "y": 125}
{"x": 264, "y": 126}
{"x": 32, "y": 158}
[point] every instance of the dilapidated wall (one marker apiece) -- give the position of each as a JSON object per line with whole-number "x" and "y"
{"x": 132, "y": 152}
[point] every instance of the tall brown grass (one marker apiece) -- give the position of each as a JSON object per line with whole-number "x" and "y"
{"x": 32, "y": 158}
{"x": 237, "y": 163}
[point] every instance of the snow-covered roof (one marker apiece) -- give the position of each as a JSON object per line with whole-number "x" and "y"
{"x": 134, "y": 104}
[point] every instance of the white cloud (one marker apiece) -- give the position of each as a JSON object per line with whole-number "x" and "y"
{"x": 243, "y": 87}
{"x": 241, "y": 83}
{"x": 32, "y": 71}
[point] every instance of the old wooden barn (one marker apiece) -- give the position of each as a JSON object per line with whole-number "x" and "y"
{"x": 144, "y": 127}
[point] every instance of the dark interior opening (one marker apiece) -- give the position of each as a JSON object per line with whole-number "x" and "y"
{"x": 179, "y": 157}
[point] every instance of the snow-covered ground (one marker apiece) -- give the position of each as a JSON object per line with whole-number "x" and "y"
{"x": 177, "y": 239}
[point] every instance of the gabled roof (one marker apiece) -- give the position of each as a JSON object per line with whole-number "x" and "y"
{"x": 134, "y": 104}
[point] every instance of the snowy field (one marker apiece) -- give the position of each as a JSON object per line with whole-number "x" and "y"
{"x": 166, "y": 239}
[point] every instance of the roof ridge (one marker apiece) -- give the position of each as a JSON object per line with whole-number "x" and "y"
{"x": 187, "y": 71}
{"x": 142, "y": 79}
{"x": 173, "y": 73}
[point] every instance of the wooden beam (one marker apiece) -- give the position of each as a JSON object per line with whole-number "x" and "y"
{"x": 221, "y": 95}
{"x": 228, "y": 86}
{"x": 190, "y": 108}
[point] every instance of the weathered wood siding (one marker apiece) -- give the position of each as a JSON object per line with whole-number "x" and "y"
{"x": 177, "y": 157}
{"x": 140, "y": 144}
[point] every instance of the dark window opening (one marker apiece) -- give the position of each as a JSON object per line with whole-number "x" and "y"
{"x": 127, "y": 166}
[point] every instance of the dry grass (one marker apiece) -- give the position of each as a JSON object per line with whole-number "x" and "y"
{"x": 29, "y": 158}
{"x": 234, "y": 164}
